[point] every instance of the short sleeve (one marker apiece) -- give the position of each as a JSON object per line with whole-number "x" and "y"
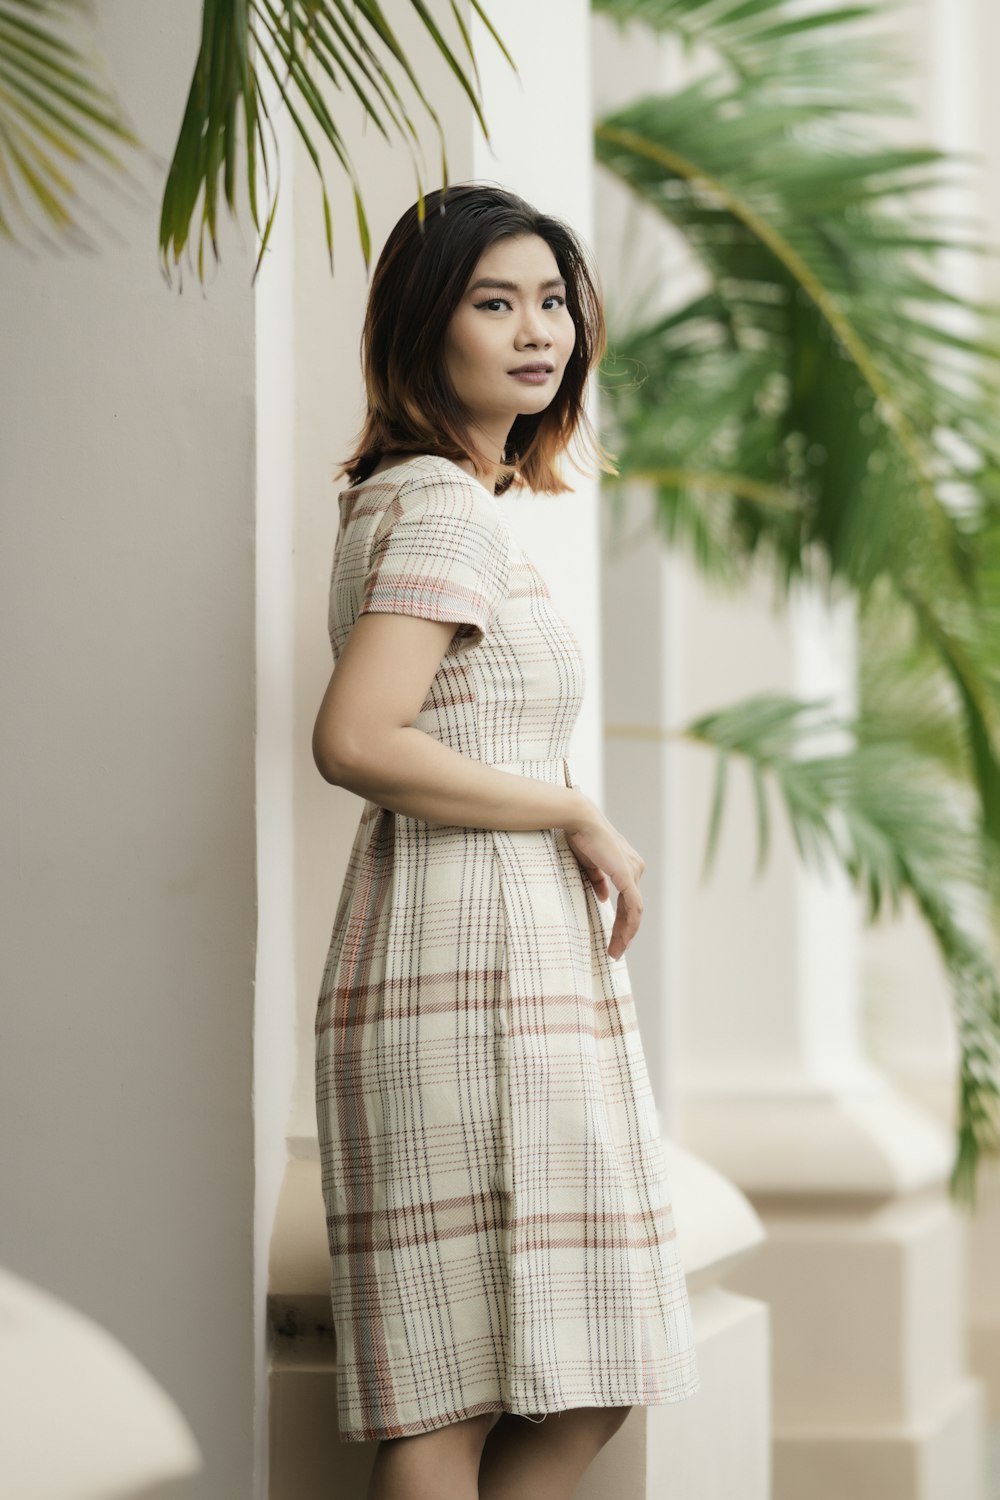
{"x": 441, "y": 551}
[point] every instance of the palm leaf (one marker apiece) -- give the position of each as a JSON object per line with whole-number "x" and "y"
{"x": 804, "y": 369}
{"x": 58, "y": 117}
{"x": 904, "y": 693}
{"x": 764, "y": 210}
{"x": 350, "y": 43}
{"x": 840, "y": 57}
{"x": 824, "y": 366}
{"x": 883, "y": 813}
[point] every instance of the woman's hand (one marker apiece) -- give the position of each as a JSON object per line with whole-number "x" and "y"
{"x": 606, "y": 855}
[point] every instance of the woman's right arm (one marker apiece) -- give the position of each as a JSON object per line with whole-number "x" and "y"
{"x": 364, "y": 739}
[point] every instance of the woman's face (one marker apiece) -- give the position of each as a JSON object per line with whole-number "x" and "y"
{"x": 498, "y": 327}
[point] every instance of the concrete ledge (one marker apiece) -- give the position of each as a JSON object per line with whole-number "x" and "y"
{"x": 869, "y": 1140}
{"x": 947, "y": 1456}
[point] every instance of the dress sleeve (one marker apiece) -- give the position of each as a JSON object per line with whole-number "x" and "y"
{"x": 440, "y": 551}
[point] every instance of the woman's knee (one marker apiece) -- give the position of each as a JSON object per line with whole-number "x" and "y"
{"x": 600, "y": 1421}
{"x": 611, "y": 1418}
{"x": 467, "y": 1433}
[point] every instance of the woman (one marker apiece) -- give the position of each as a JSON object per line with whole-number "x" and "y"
{"x": 500, "y": 1230}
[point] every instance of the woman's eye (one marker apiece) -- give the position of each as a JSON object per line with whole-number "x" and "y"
{"x": 492, "y": 301}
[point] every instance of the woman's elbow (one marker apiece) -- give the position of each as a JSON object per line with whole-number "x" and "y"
{"x": 333, "y": 757}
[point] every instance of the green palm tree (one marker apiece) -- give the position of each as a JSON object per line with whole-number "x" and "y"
{"x": 813, "y": 411}
{"x": 822, "y": 408}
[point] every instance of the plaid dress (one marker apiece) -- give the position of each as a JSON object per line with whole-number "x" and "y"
{"x": 498, "y": 1215}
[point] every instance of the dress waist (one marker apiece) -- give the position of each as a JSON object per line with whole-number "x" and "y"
{"x": 558, "y": 768}
{"x": 554, "y": 768}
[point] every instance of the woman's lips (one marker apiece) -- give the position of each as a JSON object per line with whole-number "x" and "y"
{"x": 531, "y": 377}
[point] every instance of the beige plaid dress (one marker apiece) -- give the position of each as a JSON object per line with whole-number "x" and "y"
{"x": 498, "y": 1214}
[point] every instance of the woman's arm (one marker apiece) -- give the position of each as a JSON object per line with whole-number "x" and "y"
{"x": 364, "y": 739}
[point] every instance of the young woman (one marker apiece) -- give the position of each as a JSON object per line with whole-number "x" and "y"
{"x": 500, "y": 1227}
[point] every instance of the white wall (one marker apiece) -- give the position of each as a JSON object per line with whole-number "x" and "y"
{"x": 127, "y": 792}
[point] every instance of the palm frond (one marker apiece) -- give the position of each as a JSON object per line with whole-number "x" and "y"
{"x": 779, "y": 222}
{"x": 59, "y": 118}
{"x": 697, "y": 420}
{"x": 348, "y": 43}
{"x": 843, "y": 57}
{"x": 885, "y": 815}
{"x": 904, "y": 693}
{"x": 805, "y": 368}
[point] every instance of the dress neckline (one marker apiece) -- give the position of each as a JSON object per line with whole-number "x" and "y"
{"x": 417, "y": 458}
{"x": 352, "y": 489}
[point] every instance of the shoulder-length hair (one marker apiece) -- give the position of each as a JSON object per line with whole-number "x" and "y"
{"x": 418, "y": 283}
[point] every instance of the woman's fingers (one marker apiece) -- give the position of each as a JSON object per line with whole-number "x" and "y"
{"x": 628, "y": 914}
{"x": 636, "y": 859}
{"x": 596, "y": 876}
{"x": 608, "y": 859}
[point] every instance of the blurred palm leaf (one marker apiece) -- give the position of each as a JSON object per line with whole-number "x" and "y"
{"x": 883, "y": 812}
{"x": 905, "y": 695}
{"x": 57, "y": 114}
{"x": 793, "y": 53}
{"x": 826, "y": 404}
{"x": 806, "y": 290}
{"x": 55, "y": 107}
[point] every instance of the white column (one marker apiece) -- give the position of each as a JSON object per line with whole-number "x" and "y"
{"x": 768, "y": 965}
{"x": 908, "y": 1006}
{"x": 863, "y": 1265}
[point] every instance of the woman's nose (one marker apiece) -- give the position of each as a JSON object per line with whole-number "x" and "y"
{"x": 533, "y": 330}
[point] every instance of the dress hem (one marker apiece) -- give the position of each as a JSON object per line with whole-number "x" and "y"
{"x": 445, "y": 1419}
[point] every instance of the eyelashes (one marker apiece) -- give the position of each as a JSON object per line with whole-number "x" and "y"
{"x": 554, "y": 297}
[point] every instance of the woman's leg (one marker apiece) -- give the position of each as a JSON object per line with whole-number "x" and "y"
{"x": 437, "y": 1465}
{"x": 531, "y": 1460}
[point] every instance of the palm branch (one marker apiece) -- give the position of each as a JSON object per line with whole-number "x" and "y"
{"x": 349, "y": 42}
{"x": 58, "y": 116}
{"x": 824, "y": 403}
{"x": 55, "y": 102}
{"x": 882, "y": 812}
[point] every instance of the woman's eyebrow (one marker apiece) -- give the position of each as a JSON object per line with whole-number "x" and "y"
{"x": 512, "y": 286}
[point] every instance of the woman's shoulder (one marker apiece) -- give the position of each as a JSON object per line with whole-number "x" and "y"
{"x": 421, "y": 473}
{"x": 437, "y": 544}
{"x": 434, "y": 489}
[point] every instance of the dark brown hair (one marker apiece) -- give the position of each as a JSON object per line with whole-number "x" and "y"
{"x": 418, "y": 283}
